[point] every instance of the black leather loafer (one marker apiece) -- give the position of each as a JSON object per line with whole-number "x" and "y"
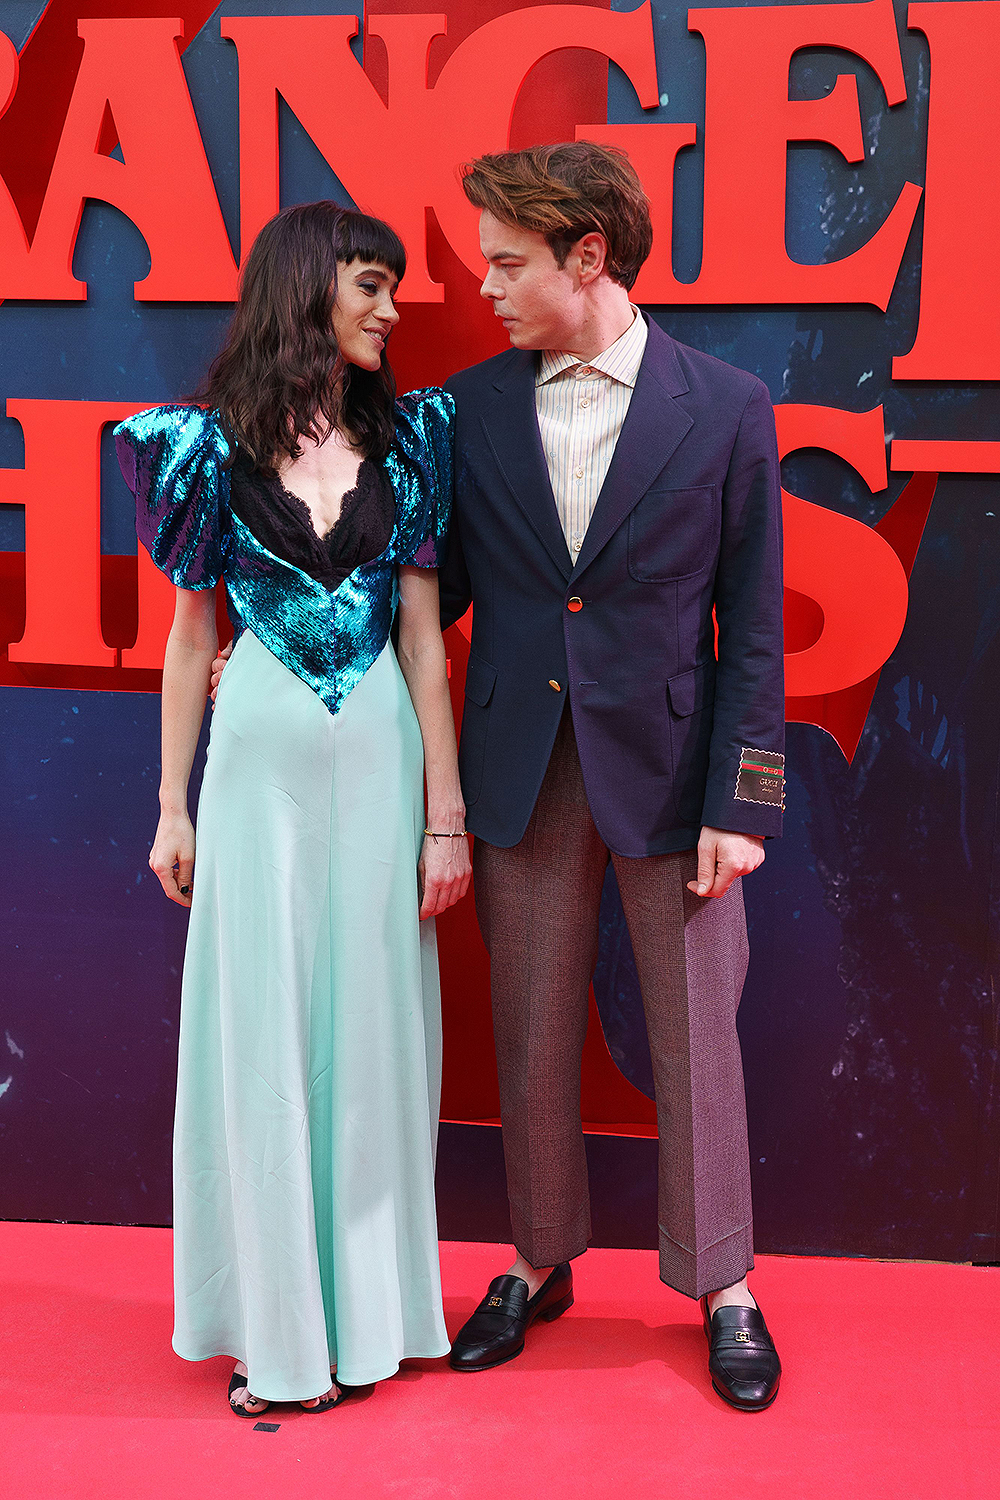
{"x": 742, "y": 1360}
{"x": 495, "y": 1332}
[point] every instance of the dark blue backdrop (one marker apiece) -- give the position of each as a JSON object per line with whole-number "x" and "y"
{"x": 868, "y": 1019}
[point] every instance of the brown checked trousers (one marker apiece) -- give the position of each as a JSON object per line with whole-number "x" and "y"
{"x": 538, "y": 906}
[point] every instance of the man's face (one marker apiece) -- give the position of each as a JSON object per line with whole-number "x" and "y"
{"x": 538, "y": 302}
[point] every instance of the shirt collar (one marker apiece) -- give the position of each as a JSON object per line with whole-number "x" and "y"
{"x": 620, "y": 361}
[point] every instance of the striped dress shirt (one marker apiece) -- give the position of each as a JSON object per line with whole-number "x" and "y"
{"x": 581, "y": 408}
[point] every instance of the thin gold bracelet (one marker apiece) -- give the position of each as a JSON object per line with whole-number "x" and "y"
{"x": 429, "y": 832}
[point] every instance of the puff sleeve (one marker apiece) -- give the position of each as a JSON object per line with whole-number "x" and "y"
{"x": 426, "y": 432}
{"x": 173, "y": 460}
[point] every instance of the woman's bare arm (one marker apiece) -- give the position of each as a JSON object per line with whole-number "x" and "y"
{"x": 191, "y": 645}
{"x": 445, "y": 868}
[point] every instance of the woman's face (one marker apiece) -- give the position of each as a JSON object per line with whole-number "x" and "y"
{"x": 364, "y": 313}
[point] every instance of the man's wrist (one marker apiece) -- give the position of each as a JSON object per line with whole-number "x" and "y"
{"x": 758, "y": 838}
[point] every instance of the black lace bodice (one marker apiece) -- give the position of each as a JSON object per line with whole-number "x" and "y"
{"x": 282, "y": 523}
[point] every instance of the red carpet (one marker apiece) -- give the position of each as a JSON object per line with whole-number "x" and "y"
{"x": 889, "y": 1391}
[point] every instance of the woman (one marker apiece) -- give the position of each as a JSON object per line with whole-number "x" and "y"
{"x": 309, "y": 1068}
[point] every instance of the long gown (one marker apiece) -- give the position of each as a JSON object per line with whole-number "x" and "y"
{"x": 309, "y": 1064}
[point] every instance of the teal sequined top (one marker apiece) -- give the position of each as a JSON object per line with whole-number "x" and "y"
{"x": 174, "y": 459}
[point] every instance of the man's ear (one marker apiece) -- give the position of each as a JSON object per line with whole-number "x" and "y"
{"x": 592, "y": 257}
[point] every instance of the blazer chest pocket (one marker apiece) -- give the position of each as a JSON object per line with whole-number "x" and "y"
{"x": 673, "y": 533}
{"x": 480, "y": 679}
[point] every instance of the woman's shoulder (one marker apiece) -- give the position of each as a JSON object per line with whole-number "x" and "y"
{"x": 424, "y": 430}
{"x": 425, "y": 425}
{"x": 172, "y": 459}
{"x": 429, "y": 405}
{"x": 178, "y": 429}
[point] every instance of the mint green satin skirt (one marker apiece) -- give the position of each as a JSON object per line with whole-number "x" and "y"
{"x": 310, "y": 1045}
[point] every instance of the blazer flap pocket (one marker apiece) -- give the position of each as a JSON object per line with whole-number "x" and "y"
{"x": 480, "y": 678}
{"x": 691, "y": 690}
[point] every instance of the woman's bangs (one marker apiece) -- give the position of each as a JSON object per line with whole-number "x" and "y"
{"x": 368, "y": 239}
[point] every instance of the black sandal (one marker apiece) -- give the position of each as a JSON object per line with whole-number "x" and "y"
{"x": 235, "y": 1384}
{"x": 326, "y": 1403}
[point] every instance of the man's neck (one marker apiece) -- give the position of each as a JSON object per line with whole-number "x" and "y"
{"x": 609, "y": 316}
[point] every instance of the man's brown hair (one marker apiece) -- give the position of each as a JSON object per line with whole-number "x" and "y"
{"x": 565, "y": 192}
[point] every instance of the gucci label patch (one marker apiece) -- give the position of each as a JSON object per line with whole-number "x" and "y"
{"x": 761, "y": 777}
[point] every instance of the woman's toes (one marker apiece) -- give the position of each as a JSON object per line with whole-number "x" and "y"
{"x": 324, "y": 1400}
{"x": 255, "y": 1404}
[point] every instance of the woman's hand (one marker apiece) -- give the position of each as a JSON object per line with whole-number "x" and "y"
{"x": 445, "y": 871}
{"x": 187, "y": 661}
{"x": 172, "y": 856}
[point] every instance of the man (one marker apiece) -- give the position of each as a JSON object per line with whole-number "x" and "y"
{"x": 617, "y": 501}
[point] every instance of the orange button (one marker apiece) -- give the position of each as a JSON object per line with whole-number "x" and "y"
{"x": 555, "y": 686}
{"x": 575, "y": 605}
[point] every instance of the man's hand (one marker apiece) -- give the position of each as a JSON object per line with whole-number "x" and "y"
{"x": 722, "y": 858}
{"x": 218, "y": 666}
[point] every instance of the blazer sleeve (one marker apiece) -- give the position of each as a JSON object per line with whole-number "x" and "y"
{"x": 745, "y": 788}
{"x": 453, "y": 579}
{"x": 173, "y": 460}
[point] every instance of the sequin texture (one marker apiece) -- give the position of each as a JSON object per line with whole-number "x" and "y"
{"x": 173, "y": 459}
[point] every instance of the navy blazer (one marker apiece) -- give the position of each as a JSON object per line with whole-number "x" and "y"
{"x": 688, "y": 522}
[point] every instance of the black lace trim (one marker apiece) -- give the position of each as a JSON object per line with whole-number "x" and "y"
{"x": 349, "y": 496}
{"x": 282, "y": 522}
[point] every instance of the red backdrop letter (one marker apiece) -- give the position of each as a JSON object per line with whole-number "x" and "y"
{"x": 13, "y": 243}
{"x": 844, "y": 566}
{"x": 398, "y": 159}
{"x": 958, "y": 335}
{"x": 749, "y": 122}
{"x": 60, "y": 489}
{"x": 164, "y": 185}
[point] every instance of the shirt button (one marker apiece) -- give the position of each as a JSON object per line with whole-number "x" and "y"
{"x": 585, "y": 401}
{"x": 583, "y": 370}
{"x": 578, "y": 473}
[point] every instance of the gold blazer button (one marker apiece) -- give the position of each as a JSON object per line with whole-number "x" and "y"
{"x": 575, "y": 604}
{"x": 555, "y": 686}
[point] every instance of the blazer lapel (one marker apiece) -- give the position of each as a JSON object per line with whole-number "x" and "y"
{"x": 653, "y": 428}
{"x": 511, "y": 426}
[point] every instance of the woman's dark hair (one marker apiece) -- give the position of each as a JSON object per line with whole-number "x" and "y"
{"x": 280, "y": 375}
